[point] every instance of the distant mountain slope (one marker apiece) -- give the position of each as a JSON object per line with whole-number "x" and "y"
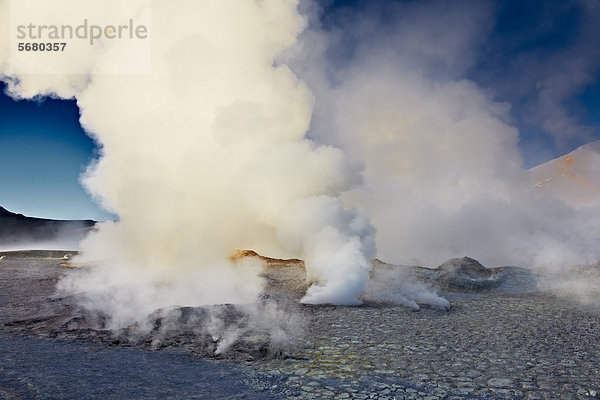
{"x": 574, "y": 177}
{"x": 17, "y": 229}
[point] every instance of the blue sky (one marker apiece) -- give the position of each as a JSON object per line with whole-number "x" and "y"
{"x": 543, "y": 58}
{"x": 43, "y": 150}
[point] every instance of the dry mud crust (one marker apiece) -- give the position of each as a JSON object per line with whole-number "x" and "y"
{"x": 34, "y": 368}
{"x": 27, "y": 285}
{"x": 488, "y": 346}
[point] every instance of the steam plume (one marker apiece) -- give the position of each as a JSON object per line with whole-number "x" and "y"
{"x": 205, "y": 155}
{"x": 443, "y": 171}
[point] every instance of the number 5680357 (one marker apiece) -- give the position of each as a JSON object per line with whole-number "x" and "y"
{"x": 41, "y": 46}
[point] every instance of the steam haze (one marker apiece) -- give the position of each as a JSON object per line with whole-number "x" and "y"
{"x": 443, "y": 172}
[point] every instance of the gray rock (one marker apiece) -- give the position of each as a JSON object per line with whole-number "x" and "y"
{"x": 468, "y": 274}
{"x": 500, "y": 383}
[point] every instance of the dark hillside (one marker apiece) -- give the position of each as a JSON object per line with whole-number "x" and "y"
{"x": 17, "y": 228}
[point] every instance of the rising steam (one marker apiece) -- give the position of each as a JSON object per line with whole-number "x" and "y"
{"x": 205, "y": 155}
{"x": 443, "y": 172}
{"x": 217, "y": 149}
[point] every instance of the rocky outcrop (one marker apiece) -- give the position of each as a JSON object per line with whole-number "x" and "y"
{"x": 468, "y": 274}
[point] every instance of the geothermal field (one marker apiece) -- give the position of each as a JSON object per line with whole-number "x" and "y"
{"x": 504, "y": 333}
{"x": 316, "y": 199}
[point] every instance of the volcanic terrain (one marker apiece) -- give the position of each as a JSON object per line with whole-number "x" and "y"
{"x": 501, "y": 337}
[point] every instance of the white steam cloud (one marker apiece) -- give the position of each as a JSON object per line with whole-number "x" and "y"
{"x": 443, "y": 175}
{"x": 209, "y": 153}
{"x": 205, "y": 155}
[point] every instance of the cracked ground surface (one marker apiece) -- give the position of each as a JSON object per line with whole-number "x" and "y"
{"x": 491, "y": 344}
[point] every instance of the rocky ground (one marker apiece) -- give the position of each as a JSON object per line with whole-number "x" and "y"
{"x": 501, "y": 339}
